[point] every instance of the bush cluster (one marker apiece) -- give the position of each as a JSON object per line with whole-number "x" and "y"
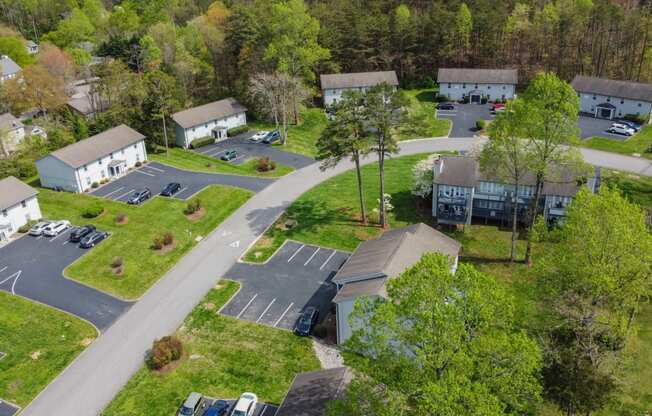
{"x": 237, "y": 130}
{"x": 193, "y": 206}
{"x": 25, "y": 227}
{"x": 92, "y": 211}
{"x": 481, "y": 124}
{"x": 635, "y": 118}
{"x": 121, "y": 217}
{"x": 164, "y": 351}
{"x": 161, "y": 241}
{"x": 195, "y": 144}
{"x": 265, "y": 164}
{"x": 95, "y": 185}
{"x": 117, "y": 262}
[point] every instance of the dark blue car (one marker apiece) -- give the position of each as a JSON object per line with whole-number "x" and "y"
{"x": 272, "y": 136}
{"x": 219, "y": 408}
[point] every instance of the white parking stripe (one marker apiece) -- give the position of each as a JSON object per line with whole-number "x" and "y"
{"x": 66, "y": 231}
{"x": 156, "y": 169}
{"x": 11, "y": 277}
{"x": 181, "y": 190}
{"x": 207, "y": 151}
{"x": 65, "y": 242}
{"x": 3, "y": 269}
{"x": 123, "y": 195}
{"x": 266, "y": 309}
{"x": 112, "y": 192}
{"x": 296, "y": 252}
{"x": 144, "y": 173}
{"x": 311, "y": 257}
{"x": 13, "y": 286}
{"x": 283, "y": 315}
{"x": 246, "y": 306}
{"x": 327, "y": 260}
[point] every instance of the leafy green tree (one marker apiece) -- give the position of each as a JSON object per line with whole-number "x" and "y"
{"x": 462, "y": 29}
{"x": 552, "y": 109}
{"x": 594, "y": 279}
{"x": 72, "y": 30}
{"x": 14, "y": 47}
{"x": 345, "y": 136}
{"x": 384, "y": 112}
{"x": 441, "y": 344}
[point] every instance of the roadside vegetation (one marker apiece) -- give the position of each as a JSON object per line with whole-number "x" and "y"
{"x": 223, "y": 358}
{"x": 422, "y": 121}
{"x": 640, "y": 143}
{"x": 133, "y": 229}
{"x": 38, "y": 343}
{"x": 197, "y": 162}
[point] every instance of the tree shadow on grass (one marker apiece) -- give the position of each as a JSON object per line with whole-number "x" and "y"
{"x": 411, "y": 209}
{"x": 427, "y": 96}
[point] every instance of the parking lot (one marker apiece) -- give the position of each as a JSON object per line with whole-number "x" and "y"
{"x": 8, "y": 409}
{"x": 464, "y": 117}
{"x": 249, "y": 150}
{"x": 275, "y": 293}
{"x": 591, "y": 126}
{"x": 156, "y": 176}
{"x": 262, "y": 409}
{"x": 33, "y": 267}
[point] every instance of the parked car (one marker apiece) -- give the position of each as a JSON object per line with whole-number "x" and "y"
{"x": 306, "y": 321}
{"x": 259, "y": 136}
{"x": 171, "y": 189}
{"x": 634, "y": 126}
{"x": 246, "y": 405}
{"x": 37, "y": 229}
{"x": 446, "y": 106}
{"x": 140, "y": 196}
{"x": 93, "y": 239}
{"x": 192, "y": 405}
{"x": 56, "y": 228}
{"x": 80, "y": 232}
{"x": 219, "y": 408}
{"x": 271, "y": 137}
{"x": 496, "y": 106}
{"x": 229, "y": 155}
{"x": 621, "y": 129}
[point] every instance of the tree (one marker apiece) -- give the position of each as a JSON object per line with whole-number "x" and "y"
{"x": 551, "y": 107}
{"x": 58, "y": 63}
{"x": 463, "y": 27}
{"x": 345, "y": 136}
{"x": 14, "y": 47}
{"x": 36, "y": 88}
{"x": 506, "y": 156}
{"x": 441, "y": 344}
{"x": 593, "y": 281}
{"x": 72, "y": 30}
{"x": 423, "y": 175}
{"x": 384, "y": 112}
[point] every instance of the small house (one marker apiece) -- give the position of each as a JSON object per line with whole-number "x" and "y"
{"x": 334, "y": 85}
{"x": 208, "y": 120}
{"x": 477, "y": 85}
{"x": 31, "y": 47}
{"x": 12, "y": 133}
{"x": 8, "y": 68}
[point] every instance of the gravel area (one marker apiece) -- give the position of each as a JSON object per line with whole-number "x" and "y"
{"x": 329, "y": 356}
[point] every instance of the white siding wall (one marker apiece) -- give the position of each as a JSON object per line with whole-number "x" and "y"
{"x": 19, "y": 215}
{"x": 332, "y": 96}
{"x": 53, "y": 173}
{"x": 205, "y": 130}
{"x": 344, "y": 309}
{"x": 623, "y": 106}
{"x": 13, "y": 139}
{"x": 494, "y": 91}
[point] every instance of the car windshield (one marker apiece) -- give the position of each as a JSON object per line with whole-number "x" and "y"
{"x": 186, "y": 411}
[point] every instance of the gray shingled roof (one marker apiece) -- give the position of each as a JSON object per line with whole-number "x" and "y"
{"x": 8, "y": 66}
{"x": 13, "y": 192}
{"x": 367, "y": 287}
{"x": 95, "y": 147}
{"x": 208, "y": 112}
{"x": 357, "y": 79}
{"x": 613, "y": 88}
{"x": 393, "y": 252}
{"x": 478, "y": 76}
{"x": 9, "y": 122}
{"x": 310, "y": 392}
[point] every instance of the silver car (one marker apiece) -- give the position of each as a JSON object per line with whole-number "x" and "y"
{"x": 56, "y": 228}
{"x": 38, "y": 228}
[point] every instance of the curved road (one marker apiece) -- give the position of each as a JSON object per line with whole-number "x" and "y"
{"x": 94, "y": 378}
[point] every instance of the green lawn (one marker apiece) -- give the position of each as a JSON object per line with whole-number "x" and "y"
{"x": 131, "y": 241}
{"x": 39, "y": 342}
{"x": 639, "y": 143}
{"x": 422, "y": 116}
{"x": 327, "y": 215}
{"x": 188, "y": 160}
{"x": 224, "y": 358}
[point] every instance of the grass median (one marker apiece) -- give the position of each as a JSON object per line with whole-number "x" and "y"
{"x": 223, "y": 358}
{"x": 131, "y": 240}
{"x": 38, "y": 343}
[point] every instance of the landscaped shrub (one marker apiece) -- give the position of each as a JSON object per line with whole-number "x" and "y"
{"x": 440, "y": 98}
{"x": 481, "y": 124}
{"x": 197, "y": 143}
{"x": 157, "y": 243}
{"x": 465, "y": 100}
{"x": 265, "y": 164}
{"x": 635, "y": 118}
{"x": 25, "y": 227}
{"x": 168, "y": 238}
{"x": 138, "y": 164}
{"x": 237, "y": 130}
{"x": 93, "y": 210}
{"x": 193, "y": 206}
{"x": 103, "y": 181}
{"x": 164, "y": 351}
{"x": 117, "y": 262}
{"x": 483, "y": 100}
{"x": 121, "y": 218}
{"x": 95, "y": 185}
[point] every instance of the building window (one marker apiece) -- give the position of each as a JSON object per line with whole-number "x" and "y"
{"x": 488, "y": 87}
{"x": 476, "y": 86}
{"x": 111, "y": 156}
{"x": 122, "y": 151}
{"x": 99, "y": 161}
{"x": 594, "y": 97}
{"x": 622, "y": 101}
{"x": 4, "y": 213}
{"x": 504, "y": 87}
{"x": 609, "y": 100}
{"x": 85, "y": 168}
{"x": 464, "y": 86}
{"x": 491, "y": 188}
{"x": 23, "y": 204}
{"x": 102, "y": 173}
{"x": 88, "y": 181}
{"x": 639, "y": 104}
{"x": 449, "y": 85}
{"x": 135, "y": 146}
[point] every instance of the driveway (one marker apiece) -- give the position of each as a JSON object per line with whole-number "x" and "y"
{"x": 250, "y": 150}
{"x": 275, "y": 293}
{"x": 33, "y": 267}
{"x": 591, "y": 126}
{"x": 8, "y": 409}
{"x": 156, "y": 176}
{"x": 464, "y": 117}
{"x": 98, "y": 374}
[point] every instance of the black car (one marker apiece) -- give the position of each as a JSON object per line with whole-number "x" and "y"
{"x": 219, "y": 408}
{"x": 446, "y": 106}
{"x": 93, "y": 239}
{"x": 140, "y": 196}
{"x": 171, "y": 189}
{"x": 307, "y": 321}
{"x": 272, "y": 136}
{"x": 78, "y": 233}
{"x": 229, "y": 155}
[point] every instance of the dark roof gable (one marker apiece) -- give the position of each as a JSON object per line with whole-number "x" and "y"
{"x": 614, "y": 88}
{"x": 477, "y": 76}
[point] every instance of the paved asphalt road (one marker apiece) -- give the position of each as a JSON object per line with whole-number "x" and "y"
{"x": 33, "y": 267}
{"x": 99, "y": 373}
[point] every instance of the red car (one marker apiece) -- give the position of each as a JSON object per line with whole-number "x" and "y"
{"x": 496, "y": 106}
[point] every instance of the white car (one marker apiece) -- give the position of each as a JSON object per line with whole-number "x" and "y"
{"x": 622, "y": 129}
{"x": 56, "y": 228}
{"x": 258, "y": 136}
{"x": 37, "y": 229}
{"x": 246, "y": 405}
